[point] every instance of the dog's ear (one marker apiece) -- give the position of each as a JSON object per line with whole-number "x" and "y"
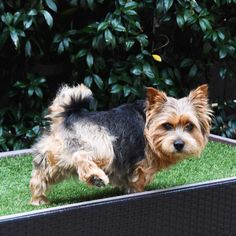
{"x": 155, "y": 97}
{"x": 199, "y": 100}
{"x": 199, "y": 95}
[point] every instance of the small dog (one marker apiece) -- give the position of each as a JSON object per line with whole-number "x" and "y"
{"x": 124, "y": 146}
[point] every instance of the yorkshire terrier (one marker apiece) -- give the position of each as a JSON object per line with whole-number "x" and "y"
{"x": 124, "y": 146}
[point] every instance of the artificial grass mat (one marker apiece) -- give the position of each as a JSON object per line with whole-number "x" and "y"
{"x": 217, "y": 161}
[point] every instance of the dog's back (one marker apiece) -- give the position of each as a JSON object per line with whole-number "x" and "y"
{"x": 117, "y": 133}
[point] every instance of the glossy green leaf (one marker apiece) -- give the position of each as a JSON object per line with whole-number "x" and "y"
{"x": 221, "y": 35}
{"x": 214, "y": 36}
{"x": 222, "y": 53}
{"x": 222, "y": 72}
{"x": 32, "y": 12}
{"x": 180, "y": 21}
{"x": 66, "y": 42}
{"x": 193, "y": 71}
{"x": 52, "y": 5}
{"x": 131, "y": 13}
{"x": 102, "y": 26}
{"x": 27, "y": 23}
{"x": 61, "y": 48}
{"x": 169, "y": 82}
{"x": 126, "y": 90}
{"x": 88, "y": 80}
{"x": 168, "y": 4}
{"x": 89, "y": 60}
{"x": 117, "y": 26}
{"x": 41, "y": 80}
{"x": 231, "y": 49}
{"x": 17, "y": 17}
{"x": 112, "y": 79}
{"x": 57, "y": 38}
{"x": 14, "y": 37}
{"x": 131, "y": 5}
{"x": 108, "y": 36}
{"x": 143, "y": 40}
{"x": 81, "y": 53}
{"x": 7, "y": 18}
{"x": 97, "y": 79}
{"x": 116, "y": 88}
{"x": 134, "y": 91}
{"x": 36, "y": 129}
{"x": 136, "y": 70}
{"x": 91, "y": 4}
{"x": 38, "y": 92}
{"x": 129, "y": 44}
{"x": 98, "y": 42}
{"x": 30, "y": 91}
{"x": 20, "y": 33}
{"x": 28, "y": 48}
{"x": 147, "y": 70}
{"x": 205, "y": 24}
{"x": 48, "y": 18}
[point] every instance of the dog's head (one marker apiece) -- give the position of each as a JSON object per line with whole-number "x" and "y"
{"x": 177, "y": 128}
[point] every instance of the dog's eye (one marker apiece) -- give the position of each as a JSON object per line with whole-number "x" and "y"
{"x": 189, "y": 127}
{"x": 168, "y": 126}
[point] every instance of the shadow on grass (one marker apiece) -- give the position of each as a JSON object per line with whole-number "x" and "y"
{"x": 56, "y": 199}
{"x": 86, "y": 196}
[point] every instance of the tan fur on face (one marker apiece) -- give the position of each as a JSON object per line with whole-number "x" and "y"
{"x": 178, "y": 112}
{"x": 160, "y": 150}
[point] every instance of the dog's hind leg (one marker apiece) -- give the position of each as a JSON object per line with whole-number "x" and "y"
{"x": 45, "y": 174}
{"x": 89, "y": 171}
{"x": 38, "y": 186}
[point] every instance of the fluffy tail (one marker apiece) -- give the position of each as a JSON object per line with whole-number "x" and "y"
{"x": 69, "y": 100}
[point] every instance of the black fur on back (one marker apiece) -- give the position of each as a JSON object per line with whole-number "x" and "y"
{"x": 76, "y": 105}
{"x": 126, "y": 123}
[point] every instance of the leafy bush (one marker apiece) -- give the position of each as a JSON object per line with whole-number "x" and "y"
{"x": 107, "y": 45}
{"x": 21, "y": 121}
{"x": 224, "y": 122}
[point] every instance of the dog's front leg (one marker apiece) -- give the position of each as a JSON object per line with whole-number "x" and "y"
{"x": 137, "y": 181}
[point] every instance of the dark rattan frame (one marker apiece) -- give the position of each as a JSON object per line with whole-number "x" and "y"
{"x": 199, "y": 209}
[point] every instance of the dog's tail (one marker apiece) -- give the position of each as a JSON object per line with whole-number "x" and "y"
{"x": 68, "y": 101}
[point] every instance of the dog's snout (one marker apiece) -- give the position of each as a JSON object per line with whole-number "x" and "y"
{"x": 179, "y": 144}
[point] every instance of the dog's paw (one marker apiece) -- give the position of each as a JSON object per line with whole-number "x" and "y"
{"x": 96, "y": 181}
{"x": 39, "y": 201}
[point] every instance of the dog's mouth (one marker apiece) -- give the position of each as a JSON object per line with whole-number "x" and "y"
{"x": 180, "y": 154}
{"x": 185, "y": 153}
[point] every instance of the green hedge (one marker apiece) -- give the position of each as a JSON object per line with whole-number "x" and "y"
{"x": 107, "y": 45}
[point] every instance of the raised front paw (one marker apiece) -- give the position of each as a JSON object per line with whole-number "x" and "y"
{"x": 96, "y": 181}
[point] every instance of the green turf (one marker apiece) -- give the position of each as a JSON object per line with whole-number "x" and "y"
{"x": 217, "y": 161}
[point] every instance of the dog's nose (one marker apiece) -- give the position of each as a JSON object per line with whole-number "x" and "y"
{"x": 179, "y": 144}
